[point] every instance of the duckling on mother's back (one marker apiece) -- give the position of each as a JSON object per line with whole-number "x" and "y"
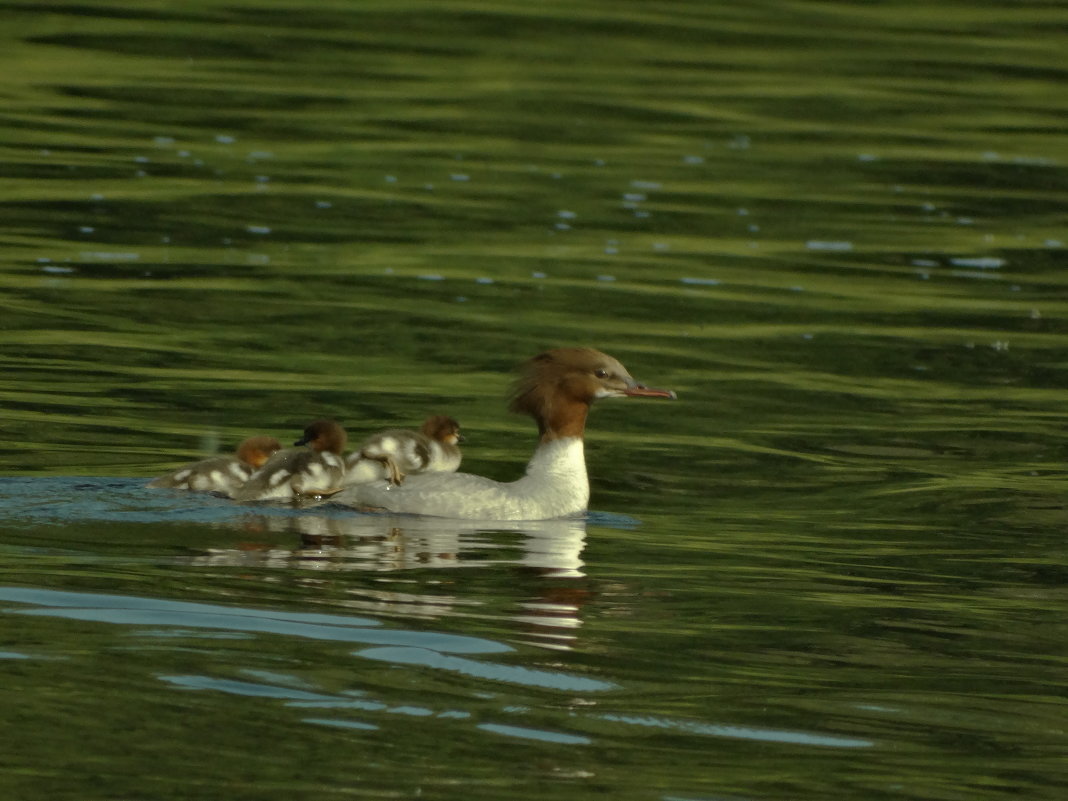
{"x": 313, "y": 467}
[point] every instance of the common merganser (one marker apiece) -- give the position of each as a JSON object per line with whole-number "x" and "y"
{"x": 313, "y": 467}
{"x": 396, "y": 453}
{"x": 221, "y": 473}
{"x": 556, "y": 388}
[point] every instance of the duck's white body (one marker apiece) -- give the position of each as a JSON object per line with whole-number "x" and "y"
{"x": 555, "y": 485}
{"x": 556, "y": 388}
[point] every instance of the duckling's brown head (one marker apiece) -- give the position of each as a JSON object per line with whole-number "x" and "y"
{"x": 257, "y": 450}
{"x": 324, "y": 435}
{"x": 442, "y": 428}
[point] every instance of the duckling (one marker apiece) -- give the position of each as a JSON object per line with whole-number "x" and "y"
{"x": 395, "y": 453}
{"x": 312, "y": 467}
{"x": 224, "y": 473}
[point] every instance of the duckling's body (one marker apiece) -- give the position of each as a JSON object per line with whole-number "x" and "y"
{"x": 313, "y": 467}
{"x": 396, "y": 453}
{"x": 222, "y": 474}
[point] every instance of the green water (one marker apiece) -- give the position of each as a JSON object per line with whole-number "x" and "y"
{"x": 835, "y": 568}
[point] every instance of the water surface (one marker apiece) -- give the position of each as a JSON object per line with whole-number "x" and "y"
{"x": 834, "y": 569}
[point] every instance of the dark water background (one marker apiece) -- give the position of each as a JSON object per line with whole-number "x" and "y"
{"x": 834, "y": 569}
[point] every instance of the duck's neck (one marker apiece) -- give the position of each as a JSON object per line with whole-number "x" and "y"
{"x": 566, "y": 418}
{"x": 556, "y": 479}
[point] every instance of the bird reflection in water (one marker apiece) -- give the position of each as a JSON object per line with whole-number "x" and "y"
{"x": 535, "y": 555}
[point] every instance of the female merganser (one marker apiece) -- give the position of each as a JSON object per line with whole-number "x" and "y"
{"x": 313, "y": 467}
{"x": 556, "y": 388}
{"x": 221, "y": 473}
{"x": 396, "y": 453}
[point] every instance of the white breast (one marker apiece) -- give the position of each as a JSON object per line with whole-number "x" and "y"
{"x": 443, "y": 459}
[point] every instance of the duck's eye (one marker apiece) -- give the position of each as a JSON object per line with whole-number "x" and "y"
{"x": 601, "y": 373}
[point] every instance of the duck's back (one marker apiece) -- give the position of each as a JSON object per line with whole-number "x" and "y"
{"x": 555, "y": 485}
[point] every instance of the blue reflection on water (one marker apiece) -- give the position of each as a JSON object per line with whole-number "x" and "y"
{"x": 429, "y": 650}
{"x": 526, "y": 733}
{"x": 529, "y": 677}
{"x": 738, "y": 732}
{"x": 133, "y": 610}
{"x": 234, "y": 687}
{"x": 135, "y": 603}
{"x": 70, "y": 499}
{"x": 342, "y": 724}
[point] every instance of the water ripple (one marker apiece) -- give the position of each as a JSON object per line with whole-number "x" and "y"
{"x": 549, "y": 679}
{"x": 132, "y": 610}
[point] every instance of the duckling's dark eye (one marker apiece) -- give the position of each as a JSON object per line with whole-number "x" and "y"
{"x": 601, "y": 373}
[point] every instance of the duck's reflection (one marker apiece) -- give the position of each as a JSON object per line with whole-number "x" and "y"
{"x": 388, "y": 542}
{"x": 524, "y": 554}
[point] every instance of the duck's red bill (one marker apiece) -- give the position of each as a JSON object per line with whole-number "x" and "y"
{"x": 649, "y": 392}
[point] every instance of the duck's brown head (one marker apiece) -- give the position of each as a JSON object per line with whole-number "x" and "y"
{"x": 557, "y": 387}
